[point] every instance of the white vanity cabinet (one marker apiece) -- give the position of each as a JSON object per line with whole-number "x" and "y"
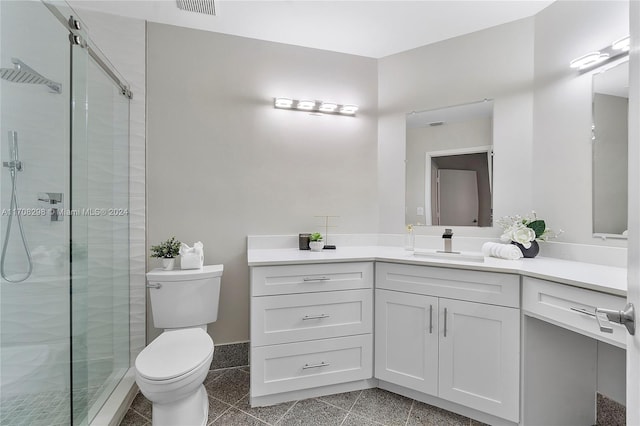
{"x": 450, "y": 333}
{"x": 311, "y": 327}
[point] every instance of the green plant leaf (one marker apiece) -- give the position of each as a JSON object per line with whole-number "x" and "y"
{"x": 538, "y": 227}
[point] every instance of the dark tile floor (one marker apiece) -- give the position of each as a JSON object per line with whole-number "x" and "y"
{"x": 228, "y": 391}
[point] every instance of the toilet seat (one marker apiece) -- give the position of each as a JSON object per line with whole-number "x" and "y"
{"x": 174, "y": 354}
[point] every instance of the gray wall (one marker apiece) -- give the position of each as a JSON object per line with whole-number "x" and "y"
{"x": 496, "y": 63}
{"x": 222, "y": 163}
{"x": 562, "y": 190}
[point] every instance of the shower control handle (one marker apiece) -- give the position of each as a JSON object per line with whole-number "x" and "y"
{"x": 52, "y": 201}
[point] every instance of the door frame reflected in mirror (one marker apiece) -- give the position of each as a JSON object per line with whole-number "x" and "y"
{"x": 429, "y": 181}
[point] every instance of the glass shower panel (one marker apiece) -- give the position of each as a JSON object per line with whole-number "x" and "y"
{"x": 34, "y": 142}
{"x": 99, "y": 234}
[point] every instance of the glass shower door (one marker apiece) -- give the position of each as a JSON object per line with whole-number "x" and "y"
{"x": 34, "y": 149}
{"x": 99, "y": 234}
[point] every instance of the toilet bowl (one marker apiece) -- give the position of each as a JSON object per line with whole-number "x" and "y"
{"x": 171, "y": 370}
{"x": 170, "y": 373}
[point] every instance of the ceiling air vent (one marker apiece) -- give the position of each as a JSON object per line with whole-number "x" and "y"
{"x": 200, "y": 6}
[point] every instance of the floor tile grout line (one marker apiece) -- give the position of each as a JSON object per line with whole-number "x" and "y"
{"x": 251, "y": 415}
{"x": 286, "y": 412}
{"x": 221, "y": 414}
{"x": 413, "y": 401}
{"x": 349, "y": 411}
{"x": 356, "y": 400}
{"x": 140, "y": 414}
{"x": 234, "y": 404}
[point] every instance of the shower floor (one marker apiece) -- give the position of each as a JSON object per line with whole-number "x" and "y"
{"x": 49, "y": 408}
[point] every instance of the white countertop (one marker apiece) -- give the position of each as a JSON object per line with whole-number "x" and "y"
{"x": 607, "y": 279}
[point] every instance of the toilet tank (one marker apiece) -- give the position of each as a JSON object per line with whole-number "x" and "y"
{"x": 184, "y": 298}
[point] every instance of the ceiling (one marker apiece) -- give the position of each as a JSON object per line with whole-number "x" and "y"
{"x": 371, "y": 28}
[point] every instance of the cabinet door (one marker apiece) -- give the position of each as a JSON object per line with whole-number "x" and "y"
{"x": 406, "y": 340}
{"x": 479, "y": 357}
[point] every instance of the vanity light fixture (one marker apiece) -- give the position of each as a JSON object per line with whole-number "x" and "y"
{"x": 328, "y": 107}
{"x": 616, "y": 50}
{"x": 315, "y": 106}
{"x": 306, "y": 105}
{"x": 623, "y": 44}
{"x": 348, "y": 109}
{"x": 589, "y": 60}
{"x": 283, "y": 103}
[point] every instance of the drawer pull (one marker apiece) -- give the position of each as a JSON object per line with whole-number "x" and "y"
{"x": 312, "y": 317}
{"x": 583, "y": 311}
{"x": 322, "y": 364}
{"x": 430, "y": 319}
{"x": 312, "y": 279}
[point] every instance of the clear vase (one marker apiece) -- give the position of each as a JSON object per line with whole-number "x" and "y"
{"x": 409, "y": 240}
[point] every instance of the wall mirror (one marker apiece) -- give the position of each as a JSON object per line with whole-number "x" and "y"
{"x": 449, "y": 166}
{"x": 610, "y": 140}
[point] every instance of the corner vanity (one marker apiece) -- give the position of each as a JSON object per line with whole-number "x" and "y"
{"x": 502, "y": 342}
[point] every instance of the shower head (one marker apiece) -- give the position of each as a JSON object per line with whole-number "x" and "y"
{"x": 22, "y": 73}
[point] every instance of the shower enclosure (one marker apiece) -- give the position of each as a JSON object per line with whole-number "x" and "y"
{"x": 64, "y": 199}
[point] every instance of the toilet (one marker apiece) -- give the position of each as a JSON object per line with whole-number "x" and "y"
{"x": 171, "y": 370}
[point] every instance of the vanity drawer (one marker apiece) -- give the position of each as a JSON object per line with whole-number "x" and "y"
{"x": 270, "y": 280}
{"x": 474, "y": 286}
{"x": 553, "y": 302}
{"x": 308, "y": 316}
{"x": 295, "y": 366}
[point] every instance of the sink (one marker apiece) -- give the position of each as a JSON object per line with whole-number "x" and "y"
{"x": 456, "y": 255}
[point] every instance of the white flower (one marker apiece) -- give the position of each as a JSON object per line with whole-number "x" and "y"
{"x": 524, "y": 236}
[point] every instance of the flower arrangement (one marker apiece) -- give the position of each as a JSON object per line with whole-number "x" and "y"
{"x": 525, "y": 230}
{"x": 167, "y": 249}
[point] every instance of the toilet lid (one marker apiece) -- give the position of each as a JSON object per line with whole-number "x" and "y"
{"x": 174, "y": 353}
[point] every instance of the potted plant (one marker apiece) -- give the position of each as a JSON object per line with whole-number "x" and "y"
{"x": 167, "y": 251}
{"x": 316, "y": 242}
{"x": 525, "y": 232}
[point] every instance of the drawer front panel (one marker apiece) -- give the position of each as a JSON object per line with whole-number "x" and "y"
{"x": 474, "y": 286}
{"x": 308, "y": 316}
{"x": 271, "y": 280}
{"x": 294, "y": 366}
{"x": 560, "y": 304}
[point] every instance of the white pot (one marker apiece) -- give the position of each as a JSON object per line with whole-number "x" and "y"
{"x": 168, "y": 263}
{"x": 316, "y": 245}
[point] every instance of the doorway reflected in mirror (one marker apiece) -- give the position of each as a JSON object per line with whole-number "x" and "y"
{"x": 449, "y": 166}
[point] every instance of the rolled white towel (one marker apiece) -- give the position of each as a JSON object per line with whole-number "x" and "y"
{"x": 502, "y": 251}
